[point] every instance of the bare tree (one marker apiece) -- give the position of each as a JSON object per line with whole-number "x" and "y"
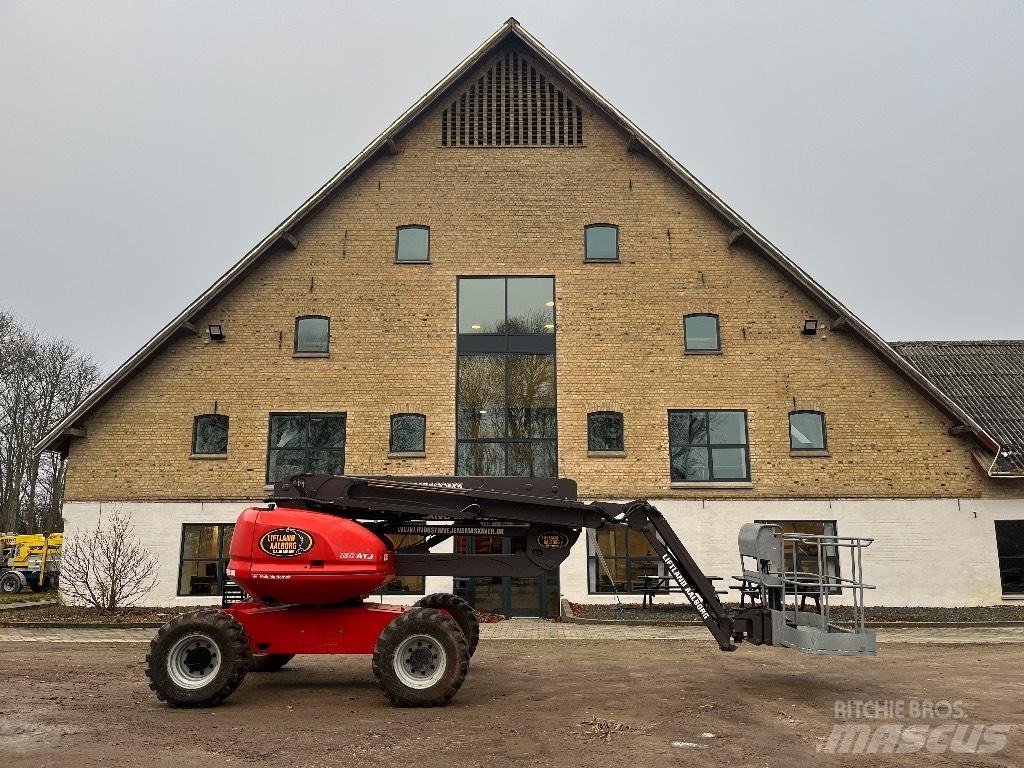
{"x": 107, "y": 566}
{"x": 41, "y": 381}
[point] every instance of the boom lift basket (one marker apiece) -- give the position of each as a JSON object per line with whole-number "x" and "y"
{"x": 786, "y": 590}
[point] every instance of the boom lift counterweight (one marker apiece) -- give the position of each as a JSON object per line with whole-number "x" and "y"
{"x": 310, "y": 559}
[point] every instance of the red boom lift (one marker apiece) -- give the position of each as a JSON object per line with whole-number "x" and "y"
{"x": 309, "y": 559}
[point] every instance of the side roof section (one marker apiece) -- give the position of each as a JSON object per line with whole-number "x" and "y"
{"x": 986, "y": 378}
{"x": 57, "y": 439}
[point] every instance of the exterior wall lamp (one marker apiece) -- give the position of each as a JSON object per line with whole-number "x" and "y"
{"x": 216, "y": 333}
{"x": 810, "y": 327}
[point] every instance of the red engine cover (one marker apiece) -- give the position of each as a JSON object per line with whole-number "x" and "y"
{"x": 296, "y": 556}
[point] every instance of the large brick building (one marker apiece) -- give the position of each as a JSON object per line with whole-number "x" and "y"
{"x": 512, "y": 230}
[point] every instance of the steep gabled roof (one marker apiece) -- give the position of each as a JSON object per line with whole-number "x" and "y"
{"x": 986, "y": 379}
{"x": 58, "y": 437}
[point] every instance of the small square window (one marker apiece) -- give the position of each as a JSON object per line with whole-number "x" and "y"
{"x": 701, "y": 333}
{"x": 408, "y": 433}
{"x": 305, "y": 442}
{"x": 807, "y": 431}
{"x": 210, "y": 435}
{"x": 412, "y": 243}
{"x": 604, "y": 431}
{"x": 601, "y": 242}
{"x": 313, "y": 335}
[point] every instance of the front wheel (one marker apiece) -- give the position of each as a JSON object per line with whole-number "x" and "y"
{"x": 10, "y": 583}
{"x": 198, "y": 659}
{"x": 421, "y": 658}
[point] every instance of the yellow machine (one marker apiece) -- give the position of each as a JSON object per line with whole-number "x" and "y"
{"x": 29, "y": 560}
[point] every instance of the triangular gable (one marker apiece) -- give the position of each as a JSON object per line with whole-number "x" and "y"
{"x": 539, "y": 58}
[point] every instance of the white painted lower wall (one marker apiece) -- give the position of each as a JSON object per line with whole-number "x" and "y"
{"x": 927, "y": 552}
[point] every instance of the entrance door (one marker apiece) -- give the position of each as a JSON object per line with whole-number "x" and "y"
{"x": 511, "y": 596}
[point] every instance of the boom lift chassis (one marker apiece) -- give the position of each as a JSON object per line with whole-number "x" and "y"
{"x": 200, "y": 658}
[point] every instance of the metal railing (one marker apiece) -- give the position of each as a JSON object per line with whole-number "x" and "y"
{"x": 823, "y": 585}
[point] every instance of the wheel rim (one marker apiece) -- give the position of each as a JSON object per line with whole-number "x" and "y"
{"x": 10, "y": 586}
{"x": 193, "y": 661}
{"x": 420, "y": 661}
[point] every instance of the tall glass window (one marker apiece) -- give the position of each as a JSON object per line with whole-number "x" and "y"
{"x": 505, "y": 411}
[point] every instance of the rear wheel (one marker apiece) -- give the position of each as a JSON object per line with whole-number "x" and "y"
{"x": 421, "y": 658}
{"x": 459, "y": 610}
{"x": 10, "y": 583}
{"x": 270, "y": 662}
{"x": 198, "y": 659}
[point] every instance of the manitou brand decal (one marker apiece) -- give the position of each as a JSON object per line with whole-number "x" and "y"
{"x": 286, "y": 542}
{"x": 690, "y": 592}
{"x": 553, "y": 540}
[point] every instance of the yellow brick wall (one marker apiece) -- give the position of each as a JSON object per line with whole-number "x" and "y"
{"x": 521, "y": 211}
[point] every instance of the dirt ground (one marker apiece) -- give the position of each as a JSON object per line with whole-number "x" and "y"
{"x": 536, "y": 703}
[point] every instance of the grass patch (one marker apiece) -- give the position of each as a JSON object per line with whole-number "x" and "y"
{"x": 27, "y": 596}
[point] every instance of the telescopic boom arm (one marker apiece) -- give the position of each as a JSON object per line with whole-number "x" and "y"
{"x": 544, "y": 509}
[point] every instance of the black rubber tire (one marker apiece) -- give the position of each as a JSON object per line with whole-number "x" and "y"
{"x": 270, "y": 662}
{"x": 10, "y": 583}
{"x": 459, "y": 610}
{"x": 231, "y": 642}
{"x": 438, "y": 626}
{"x": 37, "y": 587}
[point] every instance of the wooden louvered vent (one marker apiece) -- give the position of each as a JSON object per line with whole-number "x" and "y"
{"x": 512, "y": 104}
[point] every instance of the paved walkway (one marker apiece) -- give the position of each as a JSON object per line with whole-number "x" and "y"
{"x": 531, "y": 629}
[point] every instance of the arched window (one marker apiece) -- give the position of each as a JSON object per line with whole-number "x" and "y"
{"x": 604, "y": 431}
{"x": 312, "y": 335}
{"x": 807, "y": 431}
{"x": 700, "y": 333}
{"x": 408, "y": 433}
{"x": 210, "y": 435}
{"x": 601, "y": 242}
{"x": 412, "y": 243}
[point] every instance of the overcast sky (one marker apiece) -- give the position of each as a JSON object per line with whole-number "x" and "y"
{"x": 147, "y": 145}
